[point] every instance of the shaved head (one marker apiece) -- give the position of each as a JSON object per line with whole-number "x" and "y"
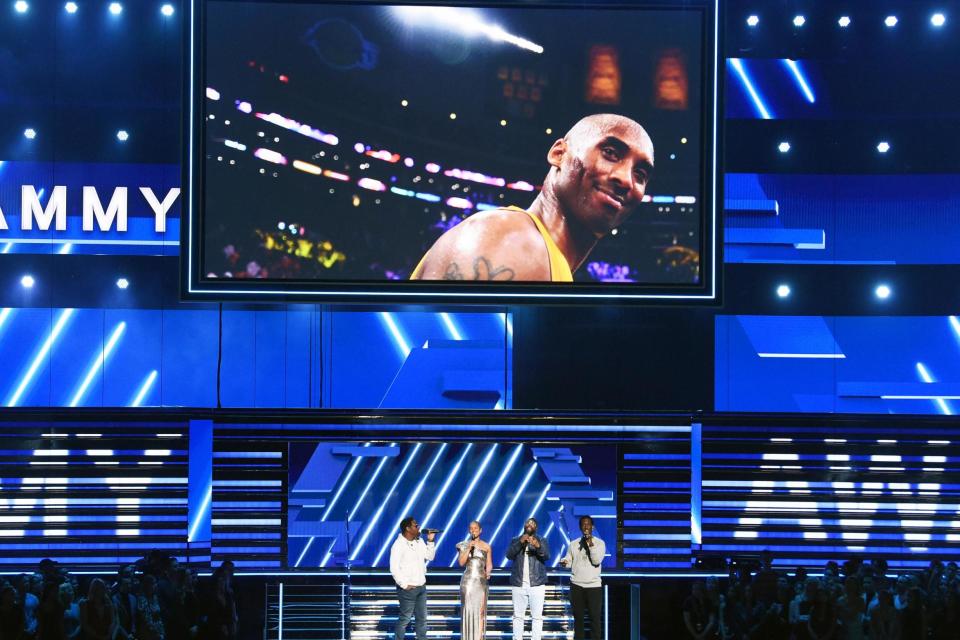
{"x": 596, "y": 125}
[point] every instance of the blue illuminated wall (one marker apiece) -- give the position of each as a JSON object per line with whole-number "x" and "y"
{"x": 811, "y": 492}
{"x": 271, "y": 358}
{"x": 838, "y": 364}
{"x": 841, "y": 219}
{"x": 347, "y": 499}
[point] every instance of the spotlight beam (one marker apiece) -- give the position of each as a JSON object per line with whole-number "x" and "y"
{"x": 55, "y": 332}
{"x": 737, "y": 65}
{"x": 801, "y": 80}
{"x": 98, "y": 363}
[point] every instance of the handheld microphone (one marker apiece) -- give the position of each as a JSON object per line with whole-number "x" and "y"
{"x": 432, "y": 530}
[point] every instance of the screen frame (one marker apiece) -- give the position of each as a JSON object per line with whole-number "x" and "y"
{"x": 196, "y": 286}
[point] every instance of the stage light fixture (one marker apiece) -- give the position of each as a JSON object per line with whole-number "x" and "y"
{"x": 30, "y": 134}
{"x": 122, "y": 135}
{"x": 753, "y": 21}
{"x": 783, "y": 147}
{"x": 844, "y": 22}
{"x": 890, "y": 21}
{"x": 799, "y": 21}
{"x": 70, "y": 7}
{"x": 21, "y": 6}
{"x": 116, "y": 8}
{"x": 167, "y": 10}
{"x": 453, "y": 116}
{"x": 27, "y": 281}
{"x": 882, "y": 291}
{"x": 549, "y": 131}
{"x": 938, "y": 19}
{"x": 883, "y": 147}
{"x": 404, "y": 103}
{"x": 503, "y": 123}
{"x": 123, "y": 283}
{"x": 783, "y": 291}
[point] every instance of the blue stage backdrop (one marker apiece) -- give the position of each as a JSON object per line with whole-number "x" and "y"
{"x": 346, "y": 499}
{"x": 838, "y": 364}
{"x": 297, "y": 356}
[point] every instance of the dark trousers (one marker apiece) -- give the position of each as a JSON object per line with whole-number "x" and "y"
{"x": 413, "y": 604}
{"x": 583, "y": 601}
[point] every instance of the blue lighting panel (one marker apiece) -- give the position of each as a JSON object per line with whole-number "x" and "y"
{"x": 843, "y": 364}
{"x": 555, "y": 485}
{"x": 812, "y": 494}
{"x": 94, "y": 495}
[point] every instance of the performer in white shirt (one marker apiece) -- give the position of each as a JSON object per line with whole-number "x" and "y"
{"x": 584, "y": 557}
{"x": 408, "y": 566}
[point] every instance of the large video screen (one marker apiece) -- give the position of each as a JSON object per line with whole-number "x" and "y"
{"x": 548, "y": 151}
{"x": 346, "y": 499}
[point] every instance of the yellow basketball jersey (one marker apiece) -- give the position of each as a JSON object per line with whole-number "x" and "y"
{"x": 559, "y": 268}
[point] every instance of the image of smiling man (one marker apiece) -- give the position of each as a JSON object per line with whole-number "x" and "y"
{"x": 598, "y": 175}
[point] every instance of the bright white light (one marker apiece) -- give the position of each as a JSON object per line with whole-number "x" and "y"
{"x": 844, "y": 22}
{"x": 783, "y": 147}
{"x": 882, "y": 291}
{"x": 753, "y": 21}
{"x": 783, "y": 291}
{"x": 27, "y": 281}
{"x": 116, "y": 8}
{"x": 21, "y": 6}
{"x": 167, "y": 10}
{"x": 122, "y": 135}
{"x": 938, "y": 19}
{"x": 883, "y": 147}
{"x": 29, "y": 134}
{"x": 466, "y": 21}
{"x": 123, "y": 283}
{"x": 71, "y": 7}
{"x": 799, "y": 21}
{"x": 890, "y": 21}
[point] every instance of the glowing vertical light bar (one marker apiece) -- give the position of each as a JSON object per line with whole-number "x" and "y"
{"x": 411, "y": 501}
{"x": 98, "y": 363}
{"x": 65, "y": 249}
{"x": 446, "y": 485}
{"x": 144, "y": 389}
{"x": 359, "y": 502}
{"x": 468, "y": 492}
{"x": 737, "y": 65}
{"x": 450, "y": 326}
{"x": 955, "y": 325}
{"x": 513, "y": 502}
{"x": 58, "y": 326}
{"x": 200, "y": 481}
{"x": 402, "y": 345}
{"x": 696, "y": 478}
{"x": 7, "y": 247}
{"x": 606, "y": 610}
{"x": 926, "y": 377}
{"x": 376, "y": 516}
{"x": 794, "y": 67}
{"x": 496, "y": 489}
{"x": 280, "y": 615}
{"x": 507, "y": 324}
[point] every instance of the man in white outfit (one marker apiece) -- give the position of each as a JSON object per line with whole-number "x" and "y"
{"x": 408, "y": 566}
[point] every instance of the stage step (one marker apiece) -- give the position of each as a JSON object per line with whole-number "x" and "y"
{"x": 373, "y": 612}
{"x": 306, "y": 611}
